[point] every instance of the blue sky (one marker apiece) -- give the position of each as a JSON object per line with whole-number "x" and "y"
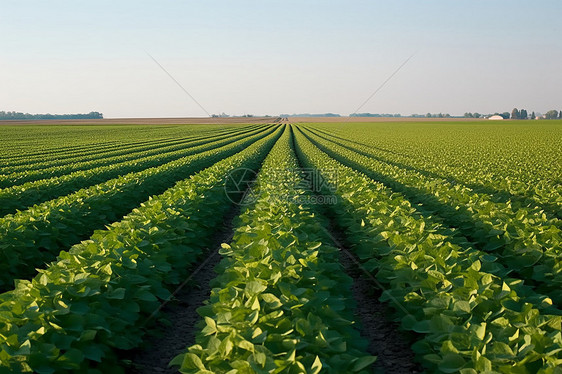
{"x": 271, "y": 57}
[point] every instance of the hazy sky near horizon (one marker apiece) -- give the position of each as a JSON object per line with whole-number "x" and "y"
{"x": 271, "y": 57}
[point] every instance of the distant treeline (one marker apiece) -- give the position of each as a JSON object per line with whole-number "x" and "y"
{"x": 519, "y": 114}
{"x": 224, "y": 115}
{"x": 6, "y": 116}
{"x": 310, "y": 115}
{"x": 432, "y": 115}
{"x": 397, "y": 115}
{"x": 375, "y": 115}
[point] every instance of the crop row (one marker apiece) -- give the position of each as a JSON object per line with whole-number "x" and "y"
{"x": 23, "y": 196}
{"x": 469, "y": 318}
{"x": 33, "y": 144}
{"x": 524, "y": 152}
{"x": 48, "y": 159}
{"x": 94, "y": 298}
{"x": 472, "y": 170}
{"x": 30, "y": 238}
{"x": 525, "y": 240}
{"x": 58, "y": 166}
{"x": 47, "y": 142}
{"x": 280, "y": 303}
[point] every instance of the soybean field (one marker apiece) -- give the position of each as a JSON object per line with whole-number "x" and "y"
{"x": 282, "y": 247}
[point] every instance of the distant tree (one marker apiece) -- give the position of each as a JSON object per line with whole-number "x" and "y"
{"x": 533, "y": 116}
{"x": 428, "y": 115}
{"x": 477, "y": 115}
{"x": 523, "y": 114}
{"x": 26, "y": 116}
{"x": 551, "y": 114}
{"x": 372, "y": 115}
{"x": 560, "y": 115}
{"x": 505, "y": 115}
{"x": 515, "y": 114}
{"x": 468, "y": 115}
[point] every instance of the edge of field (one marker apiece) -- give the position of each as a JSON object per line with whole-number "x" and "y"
{"x": 144, "y": 121}
{"x": 230, "y": 120}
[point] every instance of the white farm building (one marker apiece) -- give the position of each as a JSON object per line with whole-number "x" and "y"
{"x": 496, "y": 118}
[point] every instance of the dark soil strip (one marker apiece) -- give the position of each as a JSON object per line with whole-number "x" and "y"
{"x": 496, "y": 195}
{"x": 167, "y": 340}
{"x": 173, "y": 339}
{"x": 386, "y": 341}
{"x": 458, "y": 224}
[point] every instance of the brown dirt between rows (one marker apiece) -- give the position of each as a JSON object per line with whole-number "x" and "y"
{"x": 386, "y": 341}
{"x": 391, "y": 346}
{"x": 173, "y": 340}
